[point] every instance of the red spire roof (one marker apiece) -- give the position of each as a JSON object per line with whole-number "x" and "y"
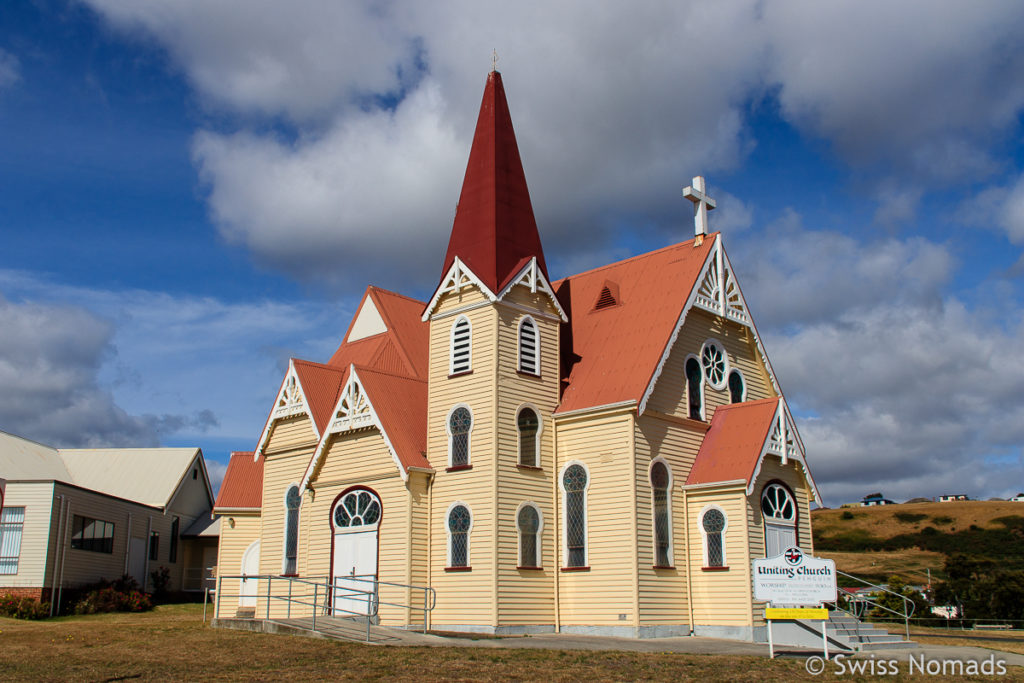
{"x": 494, "y": 233}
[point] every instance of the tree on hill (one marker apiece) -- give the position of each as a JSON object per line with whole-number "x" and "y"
{"x": 981, "y": 589}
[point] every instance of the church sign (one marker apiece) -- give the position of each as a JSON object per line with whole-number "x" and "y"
{"x": 794, "y": 578}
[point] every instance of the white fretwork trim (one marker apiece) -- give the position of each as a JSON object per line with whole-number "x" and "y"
{"x": 719, "y": 292}
{"x": 533, "y": 277}
{"x": 784, "y": 441}
{"x": 457, "y": 277}
{"x": 353, "y": 411}
{"x": 291, "y": 401}
{"x": 715, "y": 257}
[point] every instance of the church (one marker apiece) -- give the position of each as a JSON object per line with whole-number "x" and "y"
{"x": 601, "y": 454}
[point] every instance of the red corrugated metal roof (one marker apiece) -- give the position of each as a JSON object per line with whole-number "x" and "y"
{"x": 401, "y": 405}
{"x": 733, "y": 444}
{"x": 494, "y": 228}
{"x": 320, "y": 384}
{"x": 243, "y": 483}
{"x": 610, "y": 354}
{"x": 407, "y": 335}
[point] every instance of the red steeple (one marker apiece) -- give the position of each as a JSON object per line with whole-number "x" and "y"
{"x": 494, "y": 233}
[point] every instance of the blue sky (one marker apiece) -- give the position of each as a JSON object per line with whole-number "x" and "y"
{"x": 192, "y": 193}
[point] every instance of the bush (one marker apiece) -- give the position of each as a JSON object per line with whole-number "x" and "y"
{"x": 846, "y": 515}
{"x": 942, "y": 519}
{"x": 122, "y": 595}
{"x": 909, "y": 517}
{"x": 23, "y": 608}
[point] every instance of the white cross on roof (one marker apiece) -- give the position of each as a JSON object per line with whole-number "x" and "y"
{"x": 702, "y": 203}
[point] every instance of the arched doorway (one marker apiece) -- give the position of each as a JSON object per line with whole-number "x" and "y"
{"x": 250, "y": 567}
{"x": 778, "y": 508}
{"x": 355, "y": 520}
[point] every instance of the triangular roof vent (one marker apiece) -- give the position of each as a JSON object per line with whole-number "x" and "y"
{"x": 608, "y": 297}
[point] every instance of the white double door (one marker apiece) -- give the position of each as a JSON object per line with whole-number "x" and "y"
{"x": 355, "y": 566}
{"x": 778, "y": 537}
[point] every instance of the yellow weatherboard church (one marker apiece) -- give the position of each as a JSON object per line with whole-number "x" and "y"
{"x": 601, "y": 454}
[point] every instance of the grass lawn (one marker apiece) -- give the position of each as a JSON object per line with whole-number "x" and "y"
{"x": 171, "y": 643}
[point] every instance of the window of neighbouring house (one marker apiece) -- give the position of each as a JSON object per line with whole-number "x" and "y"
{"x": 92, "y": 534}
{"x": 154, "y": 545}
{"x": 12, "y": 521}
{"x": 172, "y": 552}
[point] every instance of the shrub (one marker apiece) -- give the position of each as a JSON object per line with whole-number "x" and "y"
{"x": 160, "y": 577}
{"x": 909, "y": 517}
{"x": 846, "y": 515}
{"x": 23, "y": 608}
{"x": 942, "y": 519}
{"x": 122, "y": 595}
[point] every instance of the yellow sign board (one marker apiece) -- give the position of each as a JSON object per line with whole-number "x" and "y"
{"x": 795, "y": 613}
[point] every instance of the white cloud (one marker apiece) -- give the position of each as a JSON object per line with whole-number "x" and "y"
{"x": 10, "y": 69}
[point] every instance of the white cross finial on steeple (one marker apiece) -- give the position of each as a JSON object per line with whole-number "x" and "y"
{"x": 702, "y": 203}
{"x": 494, "y": 60}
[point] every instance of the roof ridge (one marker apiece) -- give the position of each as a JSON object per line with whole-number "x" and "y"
{"x": 324, "y": 366}
{"x": 367, "y": 368}
{"x": 398, "y": 294}
{"x": 632, "y": 258}
{"x": 22, "y": 438}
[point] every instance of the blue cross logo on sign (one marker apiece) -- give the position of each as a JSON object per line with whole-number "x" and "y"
{"x": 793, "y": 555}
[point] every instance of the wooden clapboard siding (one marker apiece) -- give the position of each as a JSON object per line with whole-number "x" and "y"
{"x": 463, "y": 597}
{"x": 663, "y": 591}
{"x": 38, "y": 534}
{"x": 721, "y": 597}
{"x": 361, "y": 458}
{"x": 419, "y": 521}
{"x": 599, "y": 596}
{"x": 231, "y": 546}
{"x": 669, "y": 395}
{"x": 288, "y": 451}
{"x": 525, "y": 596}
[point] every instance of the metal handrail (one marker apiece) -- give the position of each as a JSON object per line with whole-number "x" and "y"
{"x": 908, "y": 604}
{"x": 325, "y": 590}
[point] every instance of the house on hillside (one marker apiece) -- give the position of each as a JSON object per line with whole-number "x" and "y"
{"x": 604, "y": 453}
{"x": 875, "y": 499}
{"x": 951, "y": 497}
{"x": 1019, "y": 498}
{"x": 75, "y": 516}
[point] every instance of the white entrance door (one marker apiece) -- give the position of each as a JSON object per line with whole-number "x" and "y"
{"x": 137, "y": 560}
{"x": 250, "y": 567}
{"x": 355, "y": 521}
{"x": 777, "y": 538}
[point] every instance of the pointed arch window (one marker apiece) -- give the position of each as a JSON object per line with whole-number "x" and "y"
{"x": 292, "y": 502}
{"x": 695, "y": 388}
{"x": 528, "y": 521}
{"x": 661, "y": 488}
{"x": 461, "y": 346}
{"x": 713, "y": 523}
{"x": 460, "y": 424}
{"x": 737, "y": 388}
{"x": 460, "y": 521}
{"x": 528, "y": 425}
{"x": 778, "y": 507}
{"x": 529, "y": 346}
{"x": 574, "y": 483}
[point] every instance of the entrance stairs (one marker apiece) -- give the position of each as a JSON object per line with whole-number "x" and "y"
{"x": 846, "y": 632}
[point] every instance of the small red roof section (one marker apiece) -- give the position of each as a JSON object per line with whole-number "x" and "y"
{"x": 320, "y": 384}
{"x": 242, "y": 487}
{"x": 734, "y": 442}
{"x": 403, "y": 349}
{"x": 610, "y": 354}
{"x": 494, "y": 233}
{"x": 401, "y": 406}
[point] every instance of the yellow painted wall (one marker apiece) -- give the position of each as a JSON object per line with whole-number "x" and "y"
{"x": 607, "y": 590}
{"x": 232, "y": 545}
{"x": 720, "y": 597}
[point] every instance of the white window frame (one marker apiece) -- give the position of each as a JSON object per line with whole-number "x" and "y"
{"x": 448, "y": 533}
{"x": 779, "y": 520}
{"x": 21, "y": 537}
{"x": 565, "y": 515}
{"x": 540, "y": 430}
{"x": 725, "y": 364}
{"x": 743, "y": 394}
{"x": 451, "y": 347}
{"x": 469, "y": 435}
{"x": 703, "y": 381}
{"x": 356, "y": 529}
{"x": 704, "y": 534}
{"x": 537, "y": 540}
{"x": 298, "y": 525}
{"x": 654, "y": 516}
{"x": 536, "y": 345}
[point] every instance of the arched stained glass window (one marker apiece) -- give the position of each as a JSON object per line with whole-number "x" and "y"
{"x": 736, "y": 388}
{"x": 459, "y": 522}
{"x": 528, "y": 426}
{"x": 528, "y": 522}
{"x": 713, "y": 524}
{"x": 574, "y": 483}
{"x": 459, "y": 423}
{"x": 662, "y": 521}
{"x": 777, "y": 503}
{"x": 357, "y": 508}
{"x": 694, "y": 388}
{"x": 292, "y": 501}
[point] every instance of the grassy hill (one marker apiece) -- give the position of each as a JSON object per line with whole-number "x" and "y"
{"x": 910, "y": 539}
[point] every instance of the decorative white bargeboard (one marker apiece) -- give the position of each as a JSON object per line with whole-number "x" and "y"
{"x": 794, "y": 578}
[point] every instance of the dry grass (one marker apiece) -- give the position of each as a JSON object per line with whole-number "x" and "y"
{"x": 172, "y": 644}
{"x": 911, "y": 564}
{"x": 881, "y": 521}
